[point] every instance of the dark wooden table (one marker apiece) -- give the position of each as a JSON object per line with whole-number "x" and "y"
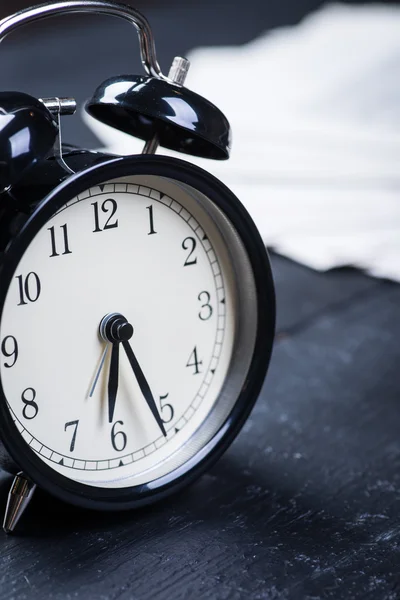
{"x": 305, "y": 504}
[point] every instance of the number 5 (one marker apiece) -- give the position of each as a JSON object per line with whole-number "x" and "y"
{"x": 168, "y": 407}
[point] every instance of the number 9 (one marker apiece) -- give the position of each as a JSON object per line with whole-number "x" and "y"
{"x": 7, "y": 352}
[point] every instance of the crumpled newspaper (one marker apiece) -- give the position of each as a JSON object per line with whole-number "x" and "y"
{"x": 315, "y": 114}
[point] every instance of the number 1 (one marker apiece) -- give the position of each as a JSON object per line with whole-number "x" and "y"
{"x": 151, "y": 218}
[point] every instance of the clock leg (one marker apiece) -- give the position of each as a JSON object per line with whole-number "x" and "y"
{"x": 19, "y": 496}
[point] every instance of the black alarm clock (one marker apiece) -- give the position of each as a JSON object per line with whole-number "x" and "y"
{"x": 137, "y": 304}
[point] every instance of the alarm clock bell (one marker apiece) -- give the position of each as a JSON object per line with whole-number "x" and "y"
{"x": 28, "y": 131}
{"x": 146, "y": 107}
{"x": 154, "y": 108}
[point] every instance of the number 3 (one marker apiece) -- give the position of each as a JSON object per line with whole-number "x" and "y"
{"x": 206, "y": 308}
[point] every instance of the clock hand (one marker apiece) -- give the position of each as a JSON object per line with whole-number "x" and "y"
{"x": 96, "y": 378}
{"x": 113, "y": 381}
{"x": 144, "y": 386}
{"x": 115, "y": 328}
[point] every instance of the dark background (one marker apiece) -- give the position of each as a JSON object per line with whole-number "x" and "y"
{"x": 305, "y": 504}
{"x": 71, "y": 56}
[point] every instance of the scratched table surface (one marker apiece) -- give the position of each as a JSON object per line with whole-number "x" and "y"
{"x": 306, "y": 502}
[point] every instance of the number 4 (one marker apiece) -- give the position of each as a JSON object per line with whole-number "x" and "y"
{"x": 194, "y": 361}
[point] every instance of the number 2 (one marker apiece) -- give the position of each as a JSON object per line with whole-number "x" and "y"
{"x": 189, "y": 243}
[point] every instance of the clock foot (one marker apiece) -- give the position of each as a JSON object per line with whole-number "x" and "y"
{"x": 19, "y": 496}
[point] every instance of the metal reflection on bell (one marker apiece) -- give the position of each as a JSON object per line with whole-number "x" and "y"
{"x": 145, "y": 106}
{"x": 28, "y": 131}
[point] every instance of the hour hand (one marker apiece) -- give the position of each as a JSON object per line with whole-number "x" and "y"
{"x": 113, "y": 381}
{"x": 114, "y": 328}
{"x": 144, "y": 386}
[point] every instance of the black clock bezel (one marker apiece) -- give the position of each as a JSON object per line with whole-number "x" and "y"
{"x": 125, "y": 498}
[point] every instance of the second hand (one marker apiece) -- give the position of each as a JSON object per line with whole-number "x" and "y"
{"x": 101, "y": 365}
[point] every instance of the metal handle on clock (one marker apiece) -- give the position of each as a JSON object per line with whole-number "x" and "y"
{"x": 101, "y": 7}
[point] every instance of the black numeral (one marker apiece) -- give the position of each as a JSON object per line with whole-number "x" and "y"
{"x": 64, "y": 243}
{"x": 119, "y": 436}
{"x": 167, "y": 410}
{"x": 8, "y": 351}
{"x": 206, "y": 308}
{"x": 30, "y": 409}
{"x": 29, "y": 288}
{"x": 75, "y": 425}
{"x": 194, "y": 361}
{"x": 109, "y": 205}
{"x": 151, "y": 218}
{"x": 189, "y": 243}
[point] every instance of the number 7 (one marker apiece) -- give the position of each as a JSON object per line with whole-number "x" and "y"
{"x": 75, "y": 424}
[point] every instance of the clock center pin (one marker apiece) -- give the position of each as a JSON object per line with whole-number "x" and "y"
{"x": 115, "y": 328}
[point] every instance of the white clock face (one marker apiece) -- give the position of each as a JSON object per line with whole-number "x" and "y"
{"x": 143, "y": 248}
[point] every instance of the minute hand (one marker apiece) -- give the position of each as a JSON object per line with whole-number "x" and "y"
{"x": 144, "y": 386}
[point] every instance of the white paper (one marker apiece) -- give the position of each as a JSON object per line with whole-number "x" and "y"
{"x": 315, "y": 114}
